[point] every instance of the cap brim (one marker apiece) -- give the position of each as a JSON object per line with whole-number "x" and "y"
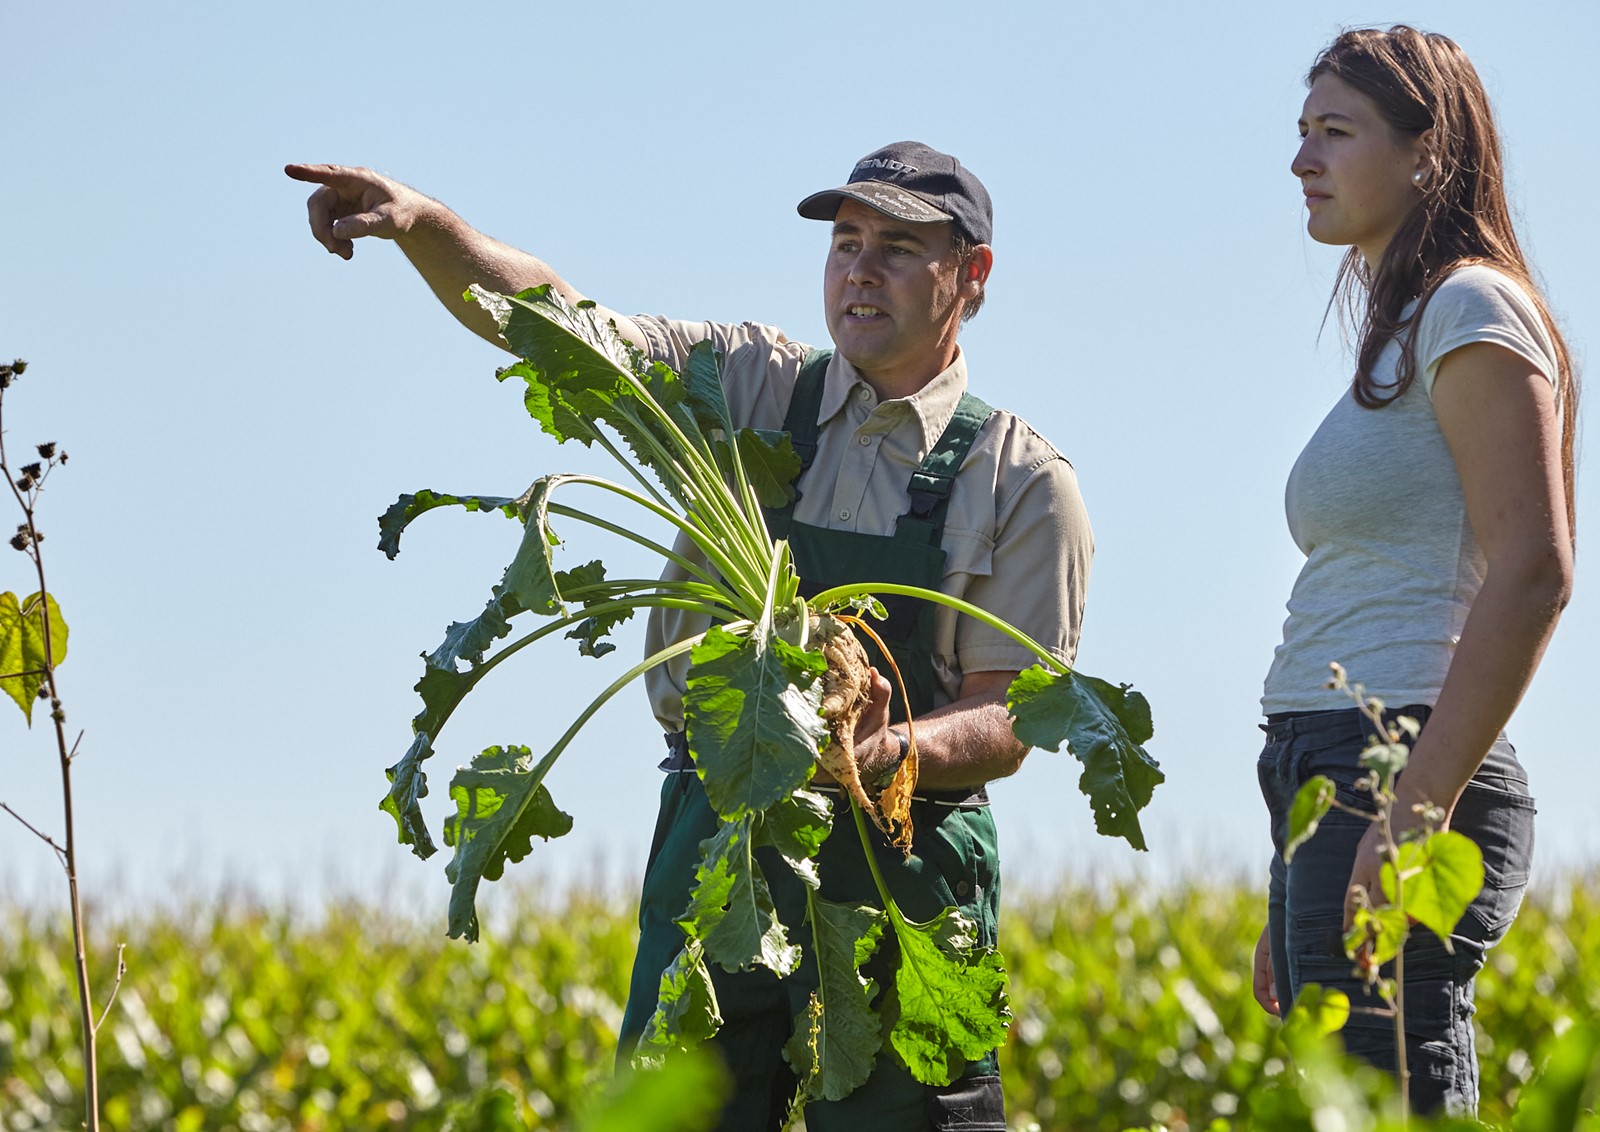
{"x": 887, "y": 199}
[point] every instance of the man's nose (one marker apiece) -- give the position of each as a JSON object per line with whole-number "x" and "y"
{"x": 866, "y": 269}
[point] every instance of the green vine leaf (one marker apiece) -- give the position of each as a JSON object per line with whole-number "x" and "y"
{"x": 730, "y": 910}
{"x": 836, "y": 1039}
{"x": 686, "y": 1008}
{"x": 1317, "y": 1013}
{"x": 22, "y": 651}
{"x": 1311, "y": 803}
{"x": 752, "y": 708}
{"x": 1440, "y": 876}
{"x": 950, "y": 997}
{"x": 501, "y": 806}
{"x": 1383, "y": 928}
{"x": 393, "y": 522}
{"x": 1105, "y": 727}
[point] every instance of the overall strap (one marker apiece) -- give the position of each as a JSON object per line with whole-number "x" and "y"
{"x": 929, "y": 489}
{"x": 801, "y": 421}
{"x": 801, "y": 425}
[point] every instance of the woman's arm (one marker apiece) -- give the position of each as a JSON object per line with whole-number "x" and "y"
{"x": 1499, "y": 417}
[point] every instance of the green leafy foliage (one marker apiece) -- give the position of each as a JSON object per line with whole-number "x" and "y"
{"x": 1311, "y": 804}
{"x": 1570, "y": 1079}
{"x": 796, "y": 827}
{"x": 683, "y": 1095}
{"x": 1382, "y": 929}
{"x": 22, "y": 645}
{"x": 393, "y": 522}
{"x": 835, "y": 1042}
{"x": 730, "y": 910}
{"x": 772, "y": 465}
{"x": 501, "y": 806}
{"x": 950, "y": 997}
{"x": 754, "y": 728}
{"x": 1440, "y": 875}
{"x": 1105, "y": 727}
{"x": 408, "y": 785}
{"x": 529, "y": 583}
{"x": 686, "y": 1010}
{"x": 590, "y": 633}
{"x": 1133, "y": 1008}
{"x": 1317, "y": 1012}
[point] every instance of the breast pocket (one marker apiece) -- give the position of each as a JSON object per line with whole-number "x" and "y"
{"x": 968, "y": 564}
{"x": 968, "y": 554}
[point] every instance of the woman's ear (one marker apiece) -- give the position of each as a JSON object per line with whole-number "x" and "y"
{"x": 1426, "y": 172}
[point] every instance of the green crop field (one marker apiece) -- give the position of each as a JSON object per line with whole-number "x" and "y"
{"x": 1131, "y": 1007}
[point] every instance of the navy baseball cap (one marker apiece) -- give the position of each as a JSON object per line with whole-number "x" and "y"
{"x": 915, "y": 182}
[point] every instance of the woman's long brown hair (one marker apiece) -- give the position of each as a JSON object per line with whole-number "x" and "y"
{"x": 1420, "y": 81}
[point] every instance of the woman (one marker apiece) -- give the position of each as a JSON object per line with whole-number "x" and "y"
{"x": 1434, "y": 506}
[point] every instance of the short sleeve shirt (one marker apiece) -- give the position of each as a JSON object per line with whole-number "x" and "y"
{"x": 1017, "y": 539}
{"x": 1375, "y": 504}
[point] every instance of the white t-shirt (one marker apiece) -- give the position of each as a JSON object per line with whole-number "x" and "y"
{"x": 1374, "y": 502}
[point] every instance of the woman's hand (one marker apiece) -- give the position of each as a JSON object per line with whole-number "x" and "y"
{"x": 1264, "y": 985}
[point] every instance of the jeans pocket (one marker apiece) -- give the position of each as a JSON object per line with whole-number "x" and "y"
{"x": 1500, "y": 823}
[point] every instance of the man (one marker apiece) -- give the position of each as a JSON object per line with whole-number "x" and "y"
{"x": 910, "y": 479}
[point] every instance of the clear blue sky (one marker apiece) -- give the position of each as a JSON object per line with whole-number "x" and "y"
{"x": 239, "y": 405}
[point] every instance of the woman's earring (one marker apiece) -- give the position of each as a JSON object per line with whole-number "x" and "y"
{"x": 1418, "y": 177}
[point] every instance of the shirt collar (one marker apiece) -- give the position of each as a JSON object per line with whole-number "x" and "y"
{"x": 933, "y": 405}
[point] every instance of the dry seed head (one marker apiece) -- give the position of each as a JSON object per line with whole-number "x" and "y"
{"x": 19, "y": 541}
{"x": 47, "y": 449}
{"x": 18, "y": 366}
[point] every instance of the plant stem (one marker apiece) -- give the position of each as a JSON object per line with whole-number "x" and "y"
{"x": 872, "y": 862}
{"x": 91, "y": 1072}
{"x": 40, "y": 834}
{"x": 841, "y": 593}
{"x": 1392, "y": 853}
{"x": 739, "y": 572}
{"x": 689, "y": 565}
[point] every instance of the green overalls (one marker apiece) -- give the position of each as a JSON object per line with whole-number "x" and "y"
{"x": 954, "y": 858}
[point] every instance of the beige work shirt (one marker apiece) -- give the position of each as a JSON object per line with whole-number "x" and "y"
{"x": 1016, "y": 537}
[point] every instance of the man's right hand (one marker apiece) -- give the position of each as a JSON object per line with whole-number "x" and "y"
{"x": 353, "y": 202}
{"x": 447, "y": 252}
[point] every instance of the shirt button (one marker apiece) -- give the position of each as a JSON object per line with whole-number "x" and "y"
{"x": 866, "y": 440}
{"x": 845, "y": 514}
{"x": 864, "y": 393}
{"x": 962, "y": 887}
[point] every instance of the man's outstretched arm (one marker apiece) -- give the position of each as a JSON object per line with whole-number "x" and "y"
{"x": 447, "y": 252}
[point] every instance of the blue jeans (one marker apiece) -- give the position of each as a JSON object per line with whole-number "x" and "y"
{"x": 1305, "y": 910}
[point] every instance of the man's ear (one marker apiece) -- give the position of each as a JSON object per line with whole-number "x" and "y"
{"x": 975, "y": 272}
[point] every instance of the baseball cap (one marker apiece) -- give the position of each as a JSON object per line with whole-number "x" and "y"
{"x": 911, "y": 181}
